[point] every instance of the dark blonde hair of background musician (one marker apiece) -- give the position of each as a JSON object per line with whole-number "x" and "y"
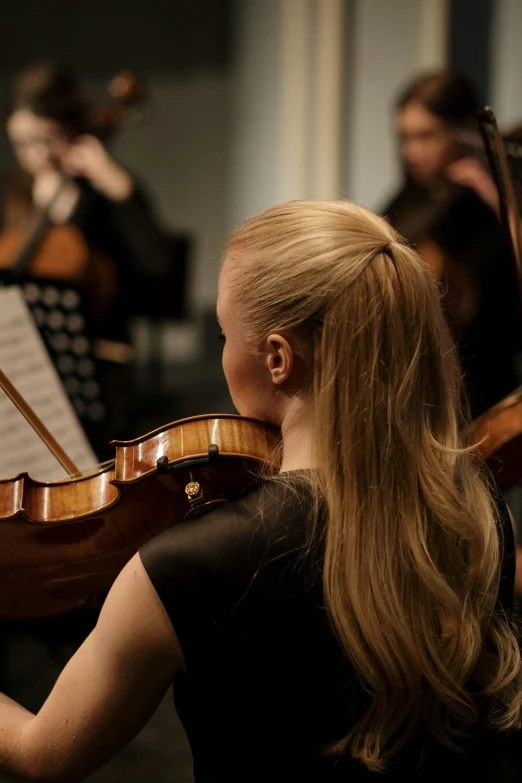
{"x": 334, "y": 333}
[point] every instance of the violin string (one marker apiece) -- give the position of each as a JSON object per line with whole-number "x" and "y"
{"x": 90, "y": 472}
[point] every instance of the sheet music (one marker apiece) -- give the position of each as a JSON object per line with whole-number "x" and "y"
{"x": 26, "y": 362}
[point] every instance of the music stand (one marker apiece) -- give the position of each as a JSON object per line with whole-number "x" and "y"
{"x": 58, "y": 311}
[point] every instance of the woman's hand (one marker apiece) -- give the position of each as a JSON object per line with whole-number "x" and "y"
{"x": 87, "y": 157}
{"x": 469, "y": 173}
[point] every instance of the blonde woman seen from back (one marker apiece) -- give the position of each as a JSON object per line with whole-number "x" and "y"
{"x": 349, "y": 620}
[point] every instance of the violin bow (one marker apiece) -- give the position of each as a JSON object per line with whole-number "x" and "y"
{"x": 38, "y": 426}
{"x": 509, "y": 212}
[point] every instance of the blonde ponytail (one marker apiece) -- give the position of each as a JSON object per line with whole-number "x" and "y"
{"x": 412, "y": 560}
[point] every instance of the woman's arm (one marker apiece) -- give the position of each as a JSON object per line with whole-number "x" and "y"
{"x": 144, "y": 244}
{"x": 104, "y": 696}
{"x": 87, "y": 157}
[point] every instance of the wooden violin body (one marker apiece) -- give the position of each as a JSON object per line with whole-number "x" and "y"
{"x": 63, "y": 543}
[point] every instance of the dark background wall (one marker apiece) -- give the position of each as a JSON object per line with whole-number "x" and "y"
{"x": 156, "y": 36}
{"x": 469, "y": 34}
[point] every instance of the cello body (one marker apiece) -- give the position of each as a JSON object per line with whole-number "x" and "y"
{"x": 64, "y": 255}
{"x": 63, "y": 543}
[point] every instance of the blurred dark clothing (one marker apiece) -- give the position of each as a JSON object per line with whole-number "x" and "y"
{"x": 469, "y": 233}
{"x": 129, "y": 234}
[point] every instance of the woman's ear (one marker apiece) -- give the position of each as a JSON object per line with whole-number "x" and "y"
{"x": 279, "y": 358}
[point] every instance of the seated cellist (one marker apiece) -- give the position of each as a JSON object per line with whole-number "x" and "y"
{"x": 62, "y": 169}
{"x": 48, "y": 123}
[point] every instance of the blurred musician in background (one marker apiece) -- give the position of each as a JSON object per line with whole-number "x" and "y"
{"x": 447, "y": 207}
{"x": 64, "y": 172}
{"x": 48, "y": 126}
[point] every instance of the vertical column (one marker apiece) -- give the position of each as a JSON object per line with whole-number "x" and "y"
{"x": 311, "y": 98}
{"x": 295, "y": 97}
{"x": 288, "y": 101}
{"x": 506, "y": 61}
{"x": 327, "y": 110}
{"x": 433, "y": 34}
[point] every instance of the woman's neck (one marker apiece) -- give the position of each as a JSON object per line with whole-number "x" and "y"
{"x": 297, "y": 436}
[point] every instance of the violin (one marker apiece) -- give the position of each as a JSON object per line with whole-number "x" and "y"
{"x": 46, "y": 251}
{"x": 63, "y": 543}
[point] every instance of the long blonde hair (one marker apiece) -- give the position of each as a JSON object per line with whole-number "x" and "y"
{"x": 412, "y": 556}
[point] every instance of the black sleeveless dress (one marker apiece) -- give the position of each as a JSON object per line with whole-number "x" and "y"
{"x": 266, "y": 687}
